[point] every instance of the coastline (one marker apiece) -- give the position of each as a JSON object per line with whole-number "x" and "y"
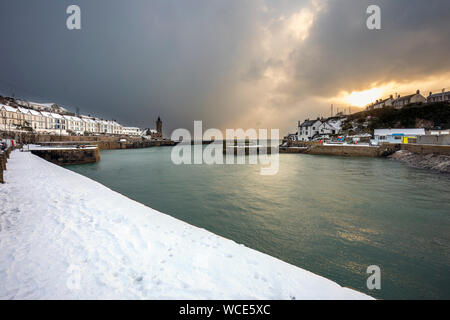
{"x": 56, "y": 221}
{"x": 431, "y": 161}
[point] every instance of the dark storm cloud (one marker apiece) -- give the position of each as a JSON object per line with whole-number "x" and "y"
{"x": 208, "y": 60}
{"x": 132, "y": 60}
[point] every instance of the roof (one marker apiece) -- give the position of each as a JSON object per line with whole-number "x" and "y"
{"x": 439, "y": 94}
{"x": 46, "y": 114}
{"x": 8, "y": 108}
{"x": 23, "y": 110}
{"x": 383, "y": 101}
{"x": 406, "y": 97}
{"x": 389, "y": 132}
{"x": 35, "y": 113}
{"x": 308, "y": 123}
{"x": 56, "y": 116}
{"x": 71, "y": 118}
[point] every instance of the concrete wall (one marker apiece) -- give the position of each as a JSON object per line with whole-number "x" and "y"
{"x": 67, "y": 156}
{"x": 426, "y": 149}
{"x": 352, "y": 151}
{"x": 434, "y": 139}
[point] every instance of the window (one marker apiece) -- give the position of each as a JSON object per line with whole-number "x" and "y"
{"x": 382, "y": 138}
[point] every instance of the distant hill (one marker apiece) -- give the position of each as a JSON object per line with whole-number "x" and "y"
{"x": 428, "y": 115}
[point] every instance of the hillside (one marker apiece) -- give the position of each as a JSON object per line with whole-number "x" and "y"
{"x": 428, "y": 116}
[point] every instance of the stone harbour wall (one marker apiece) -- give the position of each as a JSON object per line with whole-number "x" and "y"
{"x": 69, "y": 156}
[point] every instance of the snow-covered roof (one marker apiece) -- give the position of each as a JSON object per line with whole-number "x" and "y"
{"x": 390, "y": 132}
{"x": 71, "y": 118}
{"x": 309, "y": 123}
{"x": 35, "y": 113}
{"x": 46, "y": 114}
{"x": 8, "y": 108}
{"x": 23, "y": 110}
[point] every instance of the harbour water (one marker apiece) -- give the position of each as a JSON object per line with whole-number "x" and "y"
{"x": 333, "y": 216}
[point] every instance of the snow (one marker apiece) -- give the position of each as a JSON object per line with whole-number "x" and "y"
{"x": 38, "y": 147}
{"x": 8, "y": 108}
{"x": 64, "y": 236}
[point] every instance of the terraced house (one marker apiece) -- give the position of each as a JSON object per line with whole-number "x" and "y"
{"x": 49, "y": 118}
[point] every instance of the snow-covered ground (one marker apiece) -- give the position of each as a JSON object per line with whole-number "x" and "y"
{"x": 64, "y": 236}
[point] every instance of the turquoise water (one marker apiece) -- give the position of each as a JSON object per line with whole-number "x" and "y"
{"x": 333, "y": 216}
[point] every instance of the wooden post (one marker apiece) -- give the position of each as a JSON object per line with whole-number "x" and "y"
{"x": 3, "y": 161}
{"x": 2, "y": 167}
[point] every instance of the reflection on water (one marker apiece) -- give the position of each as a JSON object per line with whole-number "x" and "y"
{"x": 333, "y": 216}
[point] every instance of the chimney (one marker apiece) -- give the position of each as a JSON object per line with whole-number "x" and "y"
{"x": 390, "y": 96}
{"x": 431, "y": 93}
{"x": 418, "y": 92}
{"x": 443, "y": 90}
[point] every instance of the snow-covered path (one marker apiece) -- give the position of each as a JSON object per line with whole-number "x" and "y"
{"x": 64, "y": 236}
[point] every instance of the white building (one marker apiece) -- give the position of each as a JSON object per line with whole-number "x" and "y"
{"x": 10, "y": 118}
{"x": 330, "y": 126}
{"x": 26, "y": 116}
{"x": 54, "y": 123}
{"x": 89, "y": 124}
{"x": 37, "y": 120}
{"x": 132, "y": 131}
{"x": 396, "y": 135}
{"x": 116, "y": 127}
{"x": 74, "y": 124}
{"x": 308, "y": 129}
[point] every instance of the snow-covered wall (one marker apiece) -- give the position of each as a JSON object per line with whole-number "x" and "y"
{"x": 64, "y": 236}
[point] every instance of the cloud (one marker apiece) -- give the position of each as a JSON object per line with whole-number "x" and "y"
{"x": 262, "y": 63}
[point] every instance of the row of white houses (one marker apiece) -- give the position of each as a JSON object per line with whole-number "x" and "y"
{"x": 19, "y": 119}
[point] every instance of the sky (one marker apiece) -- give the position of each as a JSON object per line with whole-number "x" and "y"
{"x": 230, "y": 63}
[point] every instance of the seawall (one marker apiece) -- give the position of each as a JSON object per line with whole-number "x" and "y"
{"x": 103, "y": 142}
{"x": 316, "y": 148}
{"x": 427, "y": 149}
{"x": 66, "y": 156}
